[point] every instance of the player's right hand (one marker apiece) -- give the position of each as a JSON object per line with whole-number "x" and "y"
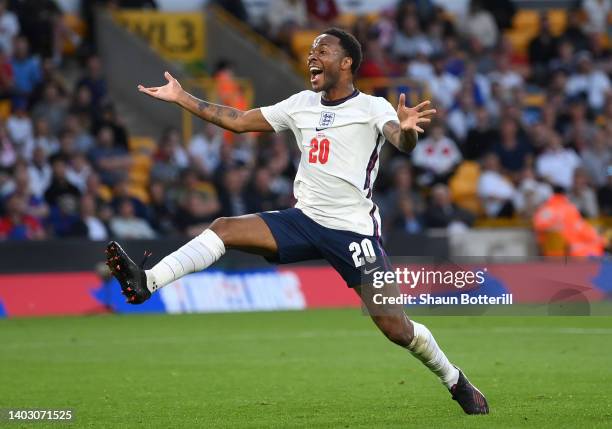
{"x": 169, "y": 92}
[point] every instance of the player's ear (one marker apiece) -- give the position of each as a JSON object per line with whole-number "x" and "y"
{"x": 346, "y": 63}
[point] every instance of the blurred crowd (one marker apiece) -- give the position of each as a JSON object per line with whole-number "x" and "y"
{"x": 533, "y": 123}
{"x": 65, "y": 156}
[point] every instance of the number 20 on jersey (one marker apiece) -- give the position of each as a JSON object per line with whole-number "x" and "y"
{"x": 319, "y": 151}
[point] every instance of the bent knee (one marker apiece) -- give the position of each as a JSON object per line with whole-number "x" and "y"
{"x": 222, "y": 227}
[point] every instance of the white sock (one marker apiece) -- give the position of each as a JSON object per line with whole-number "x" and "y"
{"x": 425, "y": 348}
{"x": 201, "y": 252}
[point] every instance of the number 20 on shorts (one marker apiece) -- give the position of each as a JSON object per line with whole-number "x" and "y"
{"x": 319, "y": 151}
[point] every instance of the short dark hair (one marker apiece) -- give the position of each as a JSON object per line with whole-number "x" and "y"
{"x": 350, "y": 44}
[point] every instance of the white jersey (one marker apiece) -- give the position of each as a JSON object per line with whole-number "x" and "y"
{"x": 340, "y": 142}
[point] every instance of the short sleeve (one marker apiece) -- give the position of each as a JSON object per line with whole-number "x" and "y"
{"x": 382, "y": 112}
{"x": 278, "y": 115}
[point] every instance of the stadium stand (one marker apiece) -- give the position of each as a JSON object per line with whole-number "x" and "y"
{"x": 561, "y": 106}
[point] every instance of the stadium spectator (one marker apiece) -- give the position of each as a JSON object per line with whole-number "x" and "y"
{"x": 7, "y": 78}
{"x": 322, "y": 12}
{"x": 557, "y": 164}
{"x": 578, "y": 132}
{"x": 78, "y": 171}
{"x": 597, "y": 157}
{"x": 462, "y": 116}
{"x": 60, "y": 186}
{"x": 604, "y": 194}
{"x": 502, "y": 10}
{"x": 402, "y": 186}
{"x": 8, "y": 152}
{"x": 112, "y": 162}
{"x": 480, "y": 137}
{"x": 442, "y": 213}
{"x": 170, "y": 158}
{"x": 406, "y": 218}
{"x": 40, "y": 171}
{"x": 420, "y": 68}
{"x": 35, "y": 205}
{"x": 83, "y": 108}
{"x": 83, "y": 140}
{"x": 559, "y": 217}
{"x": 284, "y": 17}
{"x": 122, "y": 192}
{"x": 512, "y": 149}
{"x": 39, "y": 22}
{"x": 94, "y": 81}
{"x": 573, "y": 31}
{"x": 260, "y": 196}
{"x": 43, "y": 137}
{"x": 530, "y": 193}
{"x": 436, "y": 156}
{"x": 494, "y": 189}
{"x": 108, "y": 118}
{"x": 9, "y": 28}
{"x": 582, "y": 195}
{"x": 197, "y": 209}
{"x": 64, "y": 220}
{"x": 96, "y": 229}
{"x": 542, "y": 49}
{"x": 480, "y": 25}
{"x": 205, "y": 149}
{"x": 160, "y": 209}
{"x": 589, "y": 82}
{"x": 17, "y": 224}
{"x": 52, "y": 108}
{"x": 233, "y": 193}
{"x": 26, "y": 69}
{"x": 444, "y": 86}
{"x": 598, "y": 14}
{"x": 508, "y": 79}
{"x": 376, "y": 63}
{"x": 125, "y": 224}
{"x": 409, "y": 39}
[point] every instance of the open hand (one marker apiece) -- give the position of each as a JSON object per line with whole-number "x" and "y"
{"x": 411, "y": 117}
{"x": 169, "y": 92}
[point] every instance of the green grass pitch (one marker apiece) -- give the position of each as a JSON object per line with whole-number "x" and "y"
{"x": 324, "y": 368}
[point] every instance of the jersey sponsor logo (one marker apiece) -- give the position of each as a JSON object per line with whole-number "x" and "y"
{"x": 326, "y": 120}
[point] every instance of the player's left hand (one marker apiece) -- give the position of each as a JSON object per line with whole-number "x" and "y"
{"x": 411, "y": 117}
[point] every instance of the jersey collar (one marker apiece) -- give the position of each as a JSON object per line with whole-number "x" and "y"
{"x": 339, "y": 101}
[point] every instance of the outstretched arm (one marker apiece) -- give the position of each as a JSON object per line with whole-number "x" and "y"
{"x": 226, "y": 117}
{"x": 404, "y": 134}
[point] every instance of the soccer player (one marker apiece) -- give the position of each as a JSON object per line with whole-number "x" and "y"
{"x": 340, "y": 132}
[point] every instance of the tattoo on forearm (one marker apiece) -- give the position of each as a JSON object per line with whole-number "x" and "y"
{"x": 403, "y": 140}
{"x": 215, "y": 113}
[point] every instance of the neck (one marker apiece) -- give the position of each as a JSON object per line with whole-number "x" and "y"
{"x": 339, "y": 92}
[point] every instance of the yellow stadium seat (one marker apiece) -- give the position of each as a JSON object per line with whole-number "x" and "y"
{"x": 535, "y": 100}
{"x": 558, "y": 20}
{"x": 141, "y": 168}
{"x": 139, "y": 192}
{"x": 526, "y": 19}
{"x": 5, "y": 109}
{"x": 519, "y": 39}
{"x": 301, "y": 42}
{"x": 346, "y": 20}
{"x": 142, "y": 144}
{"x": 464, "y": 186}
{"x": 76, "y": 25}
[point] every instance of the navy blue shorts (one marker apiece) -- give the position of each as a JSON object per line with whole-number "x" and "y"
{"x": 354, "y": 256}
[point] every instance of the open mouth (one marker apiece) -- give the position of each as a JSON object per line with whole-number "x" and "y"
{"x": 315, "y": 75}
